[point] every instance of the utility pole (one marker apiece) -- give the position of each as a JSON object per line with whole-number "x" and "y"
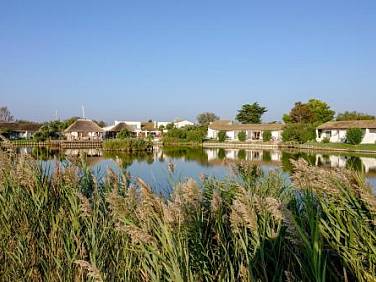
{"x": 83, "y": 111}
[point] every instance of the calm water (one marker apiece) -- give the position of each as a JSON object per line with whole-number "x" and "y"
{"x": 166, "y": 166}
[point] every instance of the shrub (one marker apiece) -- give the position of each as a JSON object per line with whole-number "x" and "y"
{"x": 128, "y": 144}
{"x": 222, "y": 136}
{"x": 125, "y": 133}
{"x": 242, "y": 136}
{"x": 325, "y": 140}
{"x": 354, "y": 136}
{"x": 267, "y": 136}
{"x": 299, "y": 132}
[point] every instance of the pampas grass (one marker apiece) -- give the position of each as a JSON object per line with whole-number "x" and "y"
{"x": 254, "y": 227}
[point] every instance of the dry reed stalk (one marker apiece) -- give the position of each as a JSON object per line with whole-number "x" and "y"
{"x": 92, "y": 271}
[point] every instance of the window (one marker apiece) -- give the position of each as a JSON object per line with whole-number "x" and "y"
{"x": 372, "y": 130}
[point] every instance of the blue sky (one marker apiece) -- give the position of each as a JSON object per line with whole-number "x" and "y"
{"x": 168, "y": 59}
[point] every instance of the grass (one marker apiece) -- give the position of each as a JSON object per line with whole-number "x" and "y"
{"x": 350, "y": 147}
{"x": 254, "y": 227}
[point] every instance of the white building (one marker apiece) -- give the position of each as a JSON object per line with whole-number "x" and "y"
{"x": 335, "y": 131}
{"x": 253, "y": 131}
{"x": 182, "y": 123}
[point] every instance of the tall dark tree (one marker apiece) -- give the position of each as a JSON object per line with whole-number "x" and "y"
{"x": 206, "y": 118}
{"x": 300, "y": 113}
{"x": 314, "y": 111}
{"x": 5, "y": 114}
{"x": 354, "y": 116}
{"x": 251, "y": 113}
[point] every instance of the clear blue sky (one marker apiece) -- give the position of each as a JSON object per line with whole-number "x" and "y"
{"x": 168, "y": 59}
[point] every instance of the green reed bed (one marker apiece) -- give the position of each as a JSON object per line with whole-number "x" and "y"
{"x": 128, "y": 145}
{"x": 255, "y": 227}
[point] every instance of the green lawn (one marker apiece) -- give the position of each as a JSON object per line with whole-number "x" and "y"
{"x": 369, "y": 147}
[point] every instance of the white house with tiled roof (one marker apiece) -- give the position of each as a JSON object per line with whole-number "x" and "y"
{"x": 335, "y": 131}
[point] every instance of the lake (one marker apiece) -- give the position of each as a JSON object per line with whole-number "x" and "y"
{"x": 169, "y": 165}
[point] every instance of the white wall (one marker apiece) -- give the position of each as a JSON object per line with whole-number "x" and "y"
{"x": 339, "y": 136}
{"x": 183, "y": 123}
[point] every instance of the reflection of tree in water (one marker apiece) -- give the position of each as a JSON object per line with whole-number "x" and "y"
{"x": 46, "y": 153}
{"x": 188, "y": 153}
{"x": 125, "y": 160}
{"x": 287, "y": 156}
{"x": 354, "y": 163}
{"x": 266, "y": 156}
{"x": 242, "y": 154}
{"x": 221, "y": 154}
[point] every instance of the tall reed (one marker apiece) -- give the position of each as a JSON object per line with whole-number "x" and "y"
{"x": 254, "y": 227}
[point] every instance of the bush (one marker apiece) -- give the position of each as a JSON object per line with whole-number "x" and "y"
{"x": 299, "y": 132}
{"x": 125, "y": 133}
{"x": 222, "y": 136}
{"x": 267, "y": 136}
{"x": 354, "y": 136}
{"x": 325, "y": 140}
{"x": 242, "y": 136}
{"x": 128, "y": 144}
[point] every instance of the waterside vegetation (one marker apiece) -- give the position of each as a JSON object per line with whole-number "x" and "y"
{"x": 256, "y": 226}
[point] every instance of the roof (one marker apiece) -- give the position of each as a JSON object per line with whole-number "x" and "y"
{"x": 121, "y": 126}
{"x": 84, "y": 125}
{"x": 149, "y": 126}
{"x": 19, "y": 126}
{"x": 228, "y": 125}
{"x": 348, "y": 124}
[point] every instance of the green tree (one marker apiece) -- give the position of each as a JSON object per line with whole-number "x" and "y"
{"x": 298, "y": 132}
{"x": 354, "y": 116}
{"x": 251, "y": 113}
{"x": 242, "y": 136}
{"x": 300, "y": 113}
{"x": 125, "y": 133}
{"x": 314, "y": 111}
{"x": 354, "y": 136}
{"x": 170, "y": 126}
{"x": 267, "y": 136}
{"x": 222, "y": 136}
{"x": 206, "y": 118}
{"x": 321, "y": 111}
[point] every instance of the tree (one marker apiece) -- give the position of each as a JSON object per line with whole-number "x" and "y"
{"x": 222, "y": 136}
{"x": 242, "y": 136}
{"x": 170, "y": 126}
{"x": 251, "y": 113}
{"x": 206, "y": 118}
{"x": 267, "y": 136}
{"x": 123, "y": 134}
{"x": 5, "y": 114}
{"x": 300, "y": 113}
{"x": 354, "y": 116}
{"x": 354, "y": 136}
{"x": 100, "y": 123}
{"x": 321, "y": 111}
{"x": 314, "y": 111}
{"x": 299, "y": 132}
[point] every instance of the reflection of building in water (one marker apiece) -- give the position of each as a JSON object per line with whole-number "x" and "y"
{"x": 369, "y": 164}
{"x": 249, "y": 155}
{"x": 366, "y": 164}
{"x": 83, "y": 152}
{"x": 330, "y": 161}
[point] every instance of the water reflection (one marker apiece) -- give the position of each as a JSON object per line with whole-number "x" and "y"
{"x": 191, "y": 162}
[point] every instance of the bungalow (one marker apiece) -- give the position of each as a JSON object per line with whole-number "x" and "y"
{"x": 253, "y": 131}
{"x": 18, "y": 130}
{"x": 335, "y": 131}
{"x": 83, "y": 129}
{"x": 112, "y": 130}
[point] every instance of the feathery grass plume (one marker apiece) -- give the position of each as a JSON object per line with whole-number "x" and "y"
{"x": 216, "y": 202}
{"x": 243, "y": 215}
{"x": 84, "y": 205}
{"x": 92, "y": 271}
